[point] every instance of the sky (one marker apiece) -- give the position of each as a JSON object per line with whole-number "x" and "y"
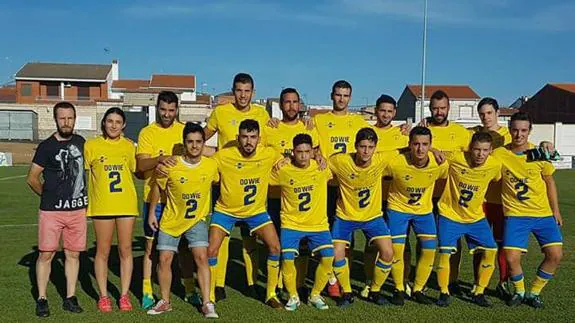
{"x": 501, "y": 48}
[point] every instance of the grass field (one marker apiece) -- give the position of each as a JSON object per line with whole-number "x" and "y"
{"x": 18, "y": 217}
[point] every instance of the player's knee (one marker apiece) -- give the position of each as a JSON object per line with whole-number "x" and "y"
{"x": 104, "y": 253}
{"x": 72, "y": 255}
{"x": 274, "y": 248}
{"x": 46, "y": 256}
{"x": 201, "y": 258}
{"x": 386, "y": 254}
{"x": 125, "y": 251}
{"x": 554, "y": 255}
{"x": 339, "y": 253}
{"x": 512, "y": 258}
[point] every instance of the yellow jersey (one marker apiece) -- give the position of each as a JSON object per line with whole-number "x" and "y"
{"x": 337, "y": 132}
{"x": 389, "y": 139}
{"x": 360, "y": 188}
{"x": 524, "y": 192}
{"x": 411, "y": 188}
{"x": 154, "y": 140}
{"x": 188, "y": 188}
{"x": 501, "y": 137}
{"x": 111, "y": 189}
{"x": 462, "y": 199}
{"x": 244, "y": 180}
{"x": 303, "y": 197}
{"x": 226, "y": 119}
{"x": 453, "y": 137}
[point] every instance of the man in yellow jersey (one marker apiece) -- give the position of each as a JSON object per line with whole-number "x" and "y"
{"x": 336, "y": 130}
{"x": 409, "y": 203}
{"x": 530, "y": 205}
{"x": 389, "y": 138}
{"x": 280, "y": 138}
{"x": 360, "y": 176}
{"x": 157, "y": 145}
{"x": 225, "y": 120}
{"x": 188, "y": 186}
{"x": 461, "y": 214}
{"x": 244, "y": 171}
{"x": 304, "y": 216}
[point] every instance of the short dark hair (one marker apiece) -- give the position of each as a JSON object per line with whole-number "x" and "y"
{"x": 63, "y": 105}
{"x": 366, "y": 134}
{"x": 192, "y": 127}
{"x": 490, "y": 101}
{"x": 168, "y": 97}
{"x": 250, "y": 125}
{"x": 439, "y": 95}
{"x": 244, "y": 78}
{"x": 419, "y": 131}
{"x": 521, "y": 116}
{"x": 384, "y": 98}
{"x": 288, "y": 90}
{"x": 481, "y": 136}
{"x": 111, "y": 110}
{"x": 302, "y": 138}
{"x": 341, "y": 84}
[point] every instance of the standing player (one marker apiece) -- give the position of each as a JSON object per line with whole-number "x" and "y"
{"x": 63, "y": 201}
{"x": 461, "y": 214}
{"x": 530, "y": 205}
{"x": 244, "y": 172}
{"x": 157, "y": 145}
{"x": 409, "y": 203}
{"x": 225, "y": 120}
{"x": 188, "y": 186}
{"x": 390, "y": 138}
{"x": 336, "y": 130}
{"x": 304, "y": 216}
{"x": 359, "y": 176}
{"x": 113, "y": 203}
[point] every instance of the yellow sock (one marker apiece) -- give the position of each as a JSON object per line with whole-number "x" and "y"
{"x": 222, "y": 266}
{"x": 442, "y": 271}
{"x": 341, "y": 270}
{"x": 323, "y": 273}
{"x": 213, "y": 262}
{"x": 301, "y": 263}
{"x": 397, "y": 266}
{"x": 486, "y": 268}
{"x": 147, "y": 286}
{"x": 250, "y": 254}
{"x": 424, "y": 268}
{"x": 369, "y": 259}
{"x": 519, "y": 284}
{"x": 540, "y": 281}
{"x": 289, "y": 273}
{"x": 273, "y": 265}
{"x": 381, "y": 271}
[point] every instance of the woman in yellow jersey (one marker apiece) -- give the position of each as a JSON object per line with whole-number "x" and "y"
{"x": 110, "y": 162}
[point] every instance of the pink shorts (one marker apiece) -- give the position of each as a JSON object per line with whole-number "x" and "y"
{"x": 72, "y": 225}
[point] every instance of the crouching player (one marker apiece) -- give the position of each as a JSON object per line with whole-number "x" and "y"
{"x": 530, "y": 205}
{"x": 188, "y": 186}
{"x": 461, "y": 214}
{"x": 304, "y": 216}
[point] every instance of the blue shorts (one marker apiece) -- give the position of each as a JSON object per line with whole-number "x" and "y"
{"x": 399, "y": 223}
{"x": 274, "y": 207}
{"x": 342, "y": 230}
{"x": 148, "y": 232}
{"x": 319, "y": 242}
{"x": 477, "y": 234}
{"x": 226, "y": 222}
{"x": 197, "y": 236}
{"x": 517, "y": 229}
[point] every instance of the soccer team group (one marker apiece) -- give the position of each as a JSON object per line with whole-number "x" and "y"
{"x": 303, "y": 187}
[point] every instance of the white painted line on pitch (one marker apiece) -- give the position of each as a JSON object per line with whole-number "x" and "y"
{"x": 11, "y": 177}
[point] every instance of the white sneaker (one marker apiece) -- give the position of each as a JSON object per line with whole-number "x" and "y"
{"x": 318, "y": 302}
{"x": 209, "y": 311}
{"x": 292, "y": 304}
{"x": 161, "y": 307}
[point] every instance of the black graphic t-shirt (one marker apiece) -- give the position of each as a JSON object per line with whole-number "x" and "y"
{"x": 64, "y": 179}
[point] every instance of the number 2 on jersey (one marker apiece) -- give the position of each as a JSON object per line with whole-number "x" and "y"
{"x": 250, "y": 191}
{"x": 364, "y": 198}
{"x": 305, "y": 199}
{"x": 464, "y": 197}
{"x": 414, "y": 198}
{"x": 340, "y": 147}
{"x": 192, "y": 206}
{"x": 522, "y": 190}
{"x": 116, "y": 179}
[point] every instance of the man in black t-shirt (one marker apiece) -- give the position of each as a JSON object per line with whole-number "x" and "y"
{"x": 63, "y": 202}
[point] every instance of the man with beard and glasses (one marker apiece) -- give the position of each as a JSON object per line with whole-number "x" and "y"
{"x": 63, "y": 202}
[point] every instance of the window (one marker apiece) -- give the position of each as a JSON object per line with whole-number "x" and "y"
{"x": 465, "y": 112}
{"x": 26, "y": 89}
{"x": 83, "y": 92}
{"x": 52, "y": 90}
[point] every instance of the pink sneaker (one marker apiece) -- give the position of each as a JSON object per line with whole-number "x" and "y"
{"x": 125, "y": 303}
{"x": 161, "y": 307}
{"x": 105, "y": 304}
